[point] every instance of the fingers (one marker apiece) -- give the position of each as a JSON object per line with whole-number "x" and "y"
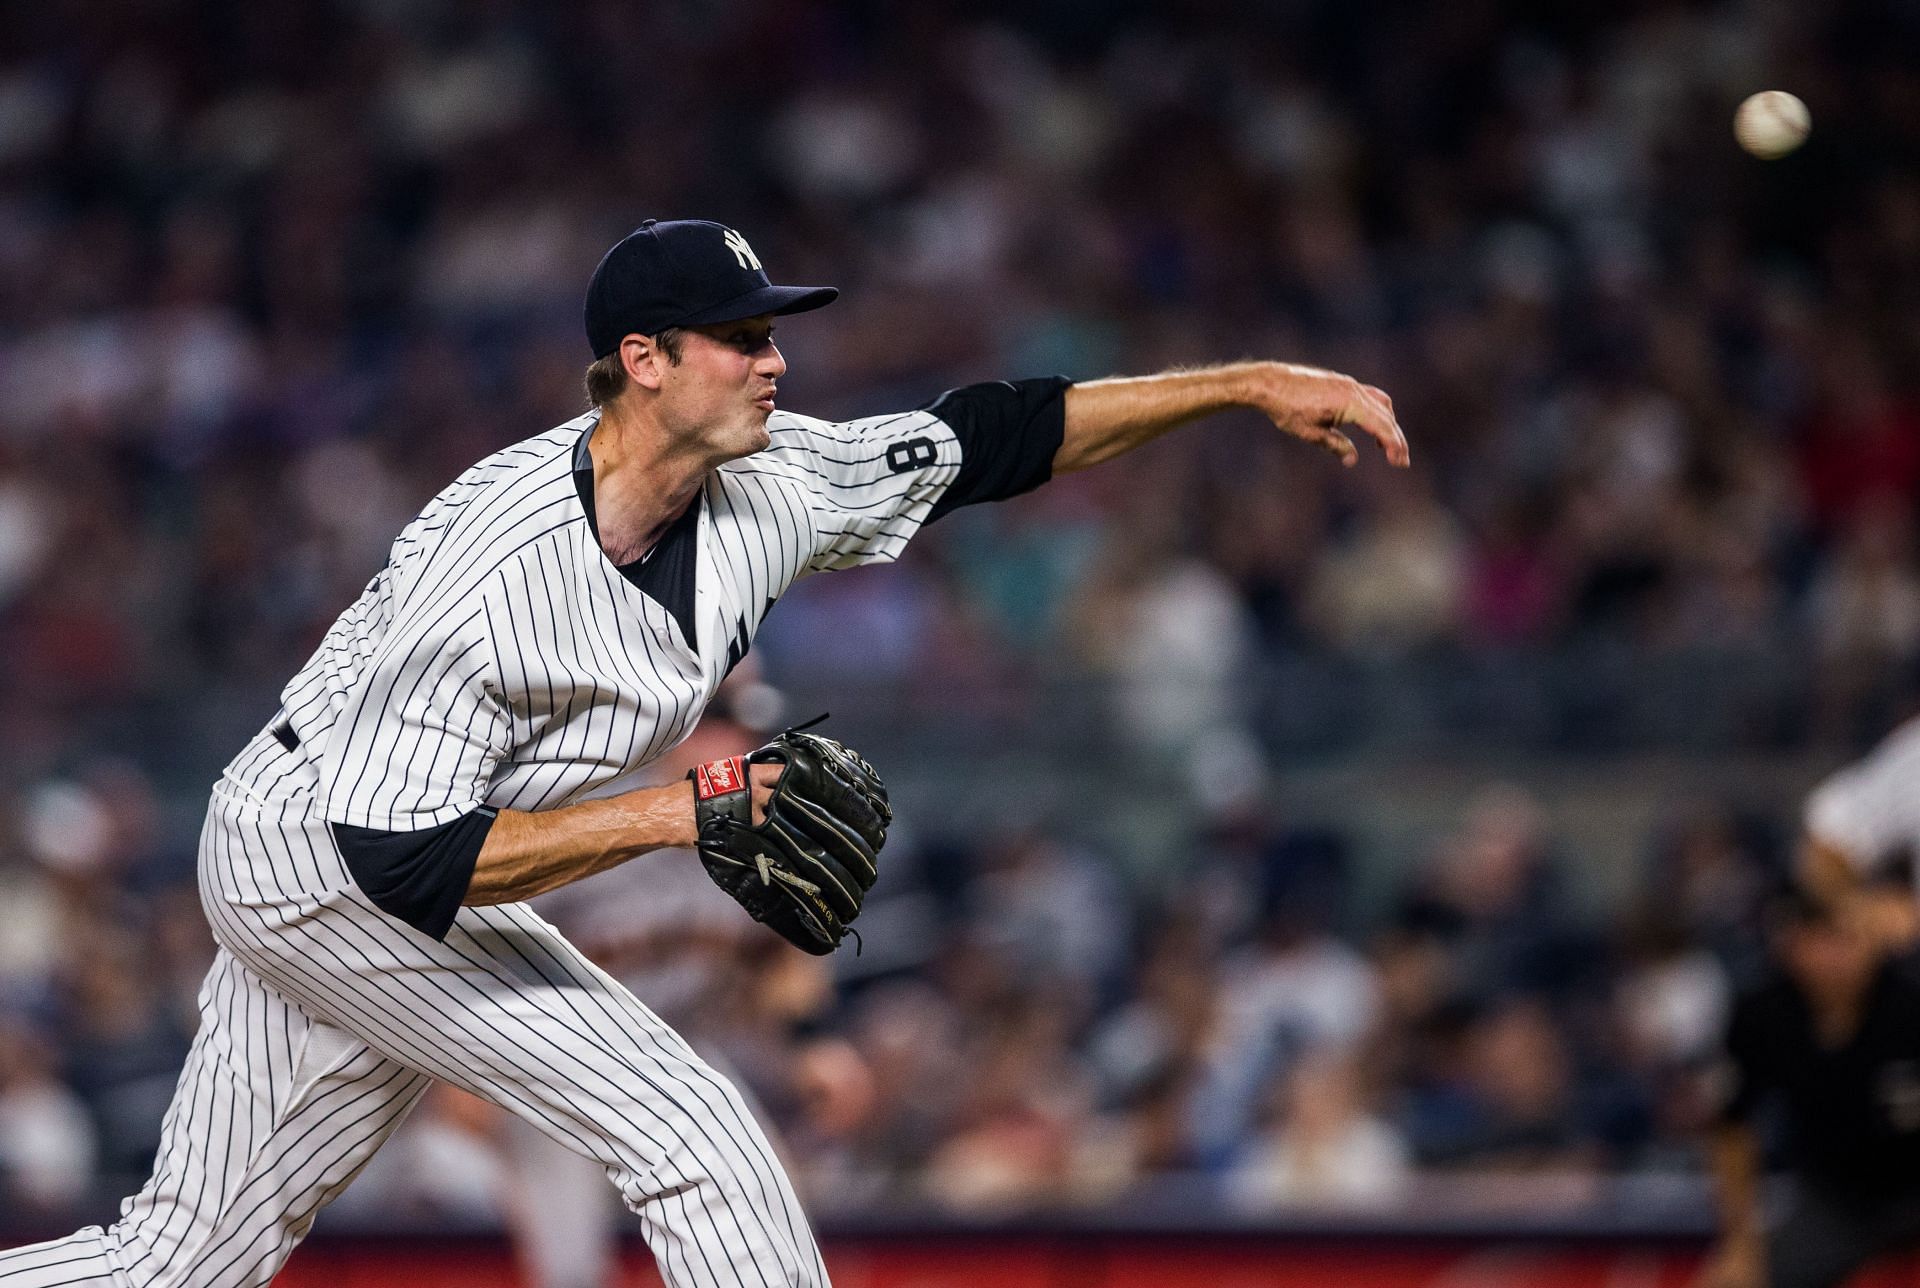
{"x": 1398, "y": 453}
{"x": 1337, "y": 443}
{"x": 1371, "y": 410}
{"x": 1315, "y": 405}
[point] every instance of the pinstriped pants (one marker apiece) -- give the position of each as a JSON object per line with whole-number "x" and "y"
{"x": 322, "y": 1023}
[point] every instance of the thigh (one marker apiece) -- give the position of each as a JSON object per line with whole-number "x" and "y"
{"x": 507, "y": 1009}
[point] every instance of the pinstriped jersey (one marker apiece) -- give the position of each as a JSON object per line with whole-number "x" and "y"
{"x": 501, "y": 659}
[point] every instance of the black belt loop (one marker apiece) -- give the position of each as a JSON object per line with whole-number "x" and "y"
{"x": 287, "y": 738}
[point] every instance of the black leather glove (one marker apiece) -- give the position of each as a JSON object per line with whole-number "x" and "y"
{"x": 805, "y": 870}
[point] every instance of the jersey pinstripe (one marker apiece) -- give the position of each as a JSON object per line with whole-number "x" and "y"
{"x": 501, "y": 659}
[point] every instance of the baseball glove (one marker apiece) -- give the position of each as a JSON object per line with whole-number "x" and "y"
{"x": 806, "y": 868}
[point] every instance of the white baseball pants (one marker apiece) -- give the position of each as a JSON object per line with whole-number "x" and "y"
{"x": 322, "y": 1023}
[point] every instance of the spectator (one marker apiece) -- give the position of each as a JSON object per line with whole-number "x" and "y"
{"x": 1493, "y": 896}
{"x": 48, "y": 1147}
{"x": 1515, "y": 1106}
{"x": 1323, "y": 1149}
{"x": 1398, "y": 583}
{"x": 1295, "y": 989}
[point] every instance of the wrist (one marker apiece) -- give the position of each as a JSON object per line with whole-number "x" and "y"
{"x": 683, "y": 814}
{"x": 1256, "y": 384}
{"x": 656, "y": 818}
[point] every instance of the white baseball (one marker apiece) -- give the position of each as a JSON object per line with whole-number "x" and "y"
{"x": 1771, "y": 124}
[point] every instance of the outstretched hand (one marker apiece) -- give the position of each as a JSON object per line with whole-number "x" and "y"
{"x": 1105, "y": 418}
{"x": 1313, "y": 405}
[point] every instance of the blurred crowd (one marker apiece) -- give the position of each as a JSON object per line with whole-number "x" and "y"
{"x": 1025, "y": 1026}
{"x": 1246, "y": 1031}
{"x": 272, "y": 273}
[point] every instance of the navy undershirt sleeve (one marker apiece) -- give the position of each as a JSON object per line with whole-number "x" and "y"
{"x": 417, "y": 877}
{"x": 1009, "y": 432}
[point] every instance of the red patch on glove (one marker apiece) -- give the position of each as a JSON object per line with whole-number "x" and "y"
{"x": 720, "y": 777}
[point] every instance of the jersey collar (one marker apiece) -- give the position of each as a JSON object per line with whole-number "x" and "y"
{"x": 667, "y": 574}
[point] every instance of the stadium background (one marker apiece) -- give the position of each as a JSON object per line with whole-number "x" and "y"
{"x": 1283, "y": 849}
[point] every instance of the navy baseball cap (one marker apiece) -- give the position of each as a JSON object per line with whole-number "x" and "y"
{"x": 684, "y": 272}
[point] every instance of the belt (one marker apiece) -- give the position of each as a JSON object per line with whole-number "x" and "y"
{"x": 284, "y": 734}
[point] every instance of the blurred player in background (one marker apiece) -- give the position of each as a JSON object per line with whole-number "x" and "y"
{"x": 1834, "y": 1032}
{"x": 1863, "y": 831}
{"x": 1832, "y": 1037}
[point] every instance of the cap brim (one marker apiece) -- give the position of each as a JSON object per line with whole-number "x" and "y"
{"x": 777, "y": 300}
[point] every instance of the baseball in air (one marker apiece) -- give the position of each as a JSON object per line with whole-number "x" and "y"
{"x": 1771, "y": 124}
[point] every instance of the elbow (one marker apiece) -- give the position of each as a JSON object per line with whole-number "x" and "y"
{"x": 1068, "y": 459}
{"x": 419, "y": 878}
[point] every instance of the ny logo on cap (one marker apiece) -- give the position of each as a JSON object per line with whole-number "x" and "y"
{"x": 742, "y": 252}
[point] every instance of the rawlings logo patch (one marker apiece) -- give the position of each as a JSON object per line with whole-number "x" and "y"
{"x": 720, "y": 777}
